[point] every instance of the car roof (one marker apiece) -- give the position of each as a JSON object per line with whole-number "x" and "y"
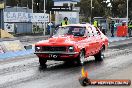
{"x": 80, "y": 25}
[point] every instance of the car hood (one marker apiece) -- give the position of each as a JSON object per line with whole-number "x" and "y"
{"x": 59, "y": 40}
{"x": 67, "y": 39}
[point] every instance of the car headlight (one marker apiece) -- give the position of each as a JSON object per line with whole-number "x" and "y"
{"x": 37, "y": 48}
{"x": 71, "y": 49}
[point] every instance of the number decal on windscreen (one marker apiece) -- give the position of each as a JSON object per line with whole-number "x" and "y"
{"x": 76, "y": 30}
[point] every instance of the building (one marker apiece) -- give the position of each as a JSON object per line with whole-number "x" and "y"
{"x": 18, "y": 27}
{"x": 65, "y": 2}
{"x": 73, "y": 15}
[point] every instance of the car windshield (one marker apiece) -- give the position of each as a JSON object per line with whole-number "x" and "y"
{"x": 71, "y": 30}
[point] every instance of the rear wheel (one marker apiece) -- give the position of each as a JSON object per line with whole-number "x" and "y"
{"x": 100, "y": 55}
{"x": 81, "y": 58}
{"x": 42, "y": 61}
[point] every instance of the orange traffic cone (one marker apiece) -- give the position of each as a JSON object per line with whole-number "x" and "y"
{"x": 84, "y": 80}
{"x": 84, "y": 73}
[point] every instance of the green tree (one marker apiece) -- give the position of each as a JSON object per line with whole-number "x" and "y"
{"x": 11, "y": 2}
{"x": 119, "y": 8}
{"x": 25, "y": 3}
{"x": 99, "y": 9}
{"x": 85, "y": 8}
{"x": 49, "y": 4}
{"x": 130, "y": 9}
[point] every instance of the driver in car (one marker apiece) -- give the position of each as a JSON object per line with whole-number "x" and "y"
{"x": 80, "y": 32}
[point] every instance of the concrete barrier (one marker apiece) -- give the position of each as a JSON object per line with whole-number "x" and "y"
{"x": 11, "y": 46}
{"x": 11, "y": 55}
{"x": 27, "y": 47}
{"x": 5, "y": 34}
{"x": 122, "y": 31}
{"x": 1, "y": 50}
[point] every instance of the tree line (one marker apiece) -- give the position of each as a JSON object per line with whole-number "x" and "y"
{"x": 101, "y": 8}
{"x": 28, "y": 3}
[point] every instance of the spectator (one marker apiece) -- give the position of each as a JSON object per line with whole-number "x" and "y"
{"x": 129, "y": 28}
{"x": 50, "y": 27}
{"x": 112, "y": 28}
{"x": 65, "y": 21}
{"x": 104, "y": 28}
{"x": 96, "y": 24}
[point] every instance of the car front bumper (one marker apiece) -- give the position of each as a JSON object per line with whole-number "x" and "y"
{"x": 70, "y": 53}
{"x": 62, "y": 56}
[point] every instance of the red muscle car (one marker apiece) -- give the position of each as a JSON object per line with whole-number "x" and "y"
{"x": 73, "y": 42}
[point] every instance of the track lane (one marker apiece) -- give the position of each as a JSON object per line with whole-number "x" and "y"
{"x": 62, "y": 71}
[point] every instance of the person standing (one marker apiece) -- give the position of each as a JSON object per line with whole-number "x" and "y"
{"x": 65, "y": 21}
{"x": 125, "y": 28}
{"x": 104, "y": 28}
{"x": 112, "y": 28}
{"x": 15, "y": 28}
{"x": 49, "y": 27}
{"x": 129, "y": 28}
{"x": 96, "y": 24}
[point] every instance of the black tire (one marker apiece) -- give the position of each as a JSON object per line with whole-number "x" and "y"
{"x": 42, "y": 61}
{"x": 81, "y": 58}
{"x": 84, "y": 81}
{"x": 69, "y": 62}
{"x": 100, "y": 55}
{"x": 102, "y": 52}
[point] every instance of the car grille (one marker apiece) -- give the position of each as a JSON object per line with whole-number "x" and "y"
{"x": 51, "y": 48}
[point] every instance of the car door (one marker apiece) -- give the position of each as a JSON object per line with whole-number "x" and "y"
{"x": 89, "y": 42}
{"x": 83, "y": 42}
{"x": 94, "y": 42}
{"x": 97, "y": 39}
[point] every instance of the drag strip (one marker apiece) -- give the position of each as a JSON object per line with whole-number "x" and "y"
{"x": 29, "y": 70}
{"x": 54, "y": 75}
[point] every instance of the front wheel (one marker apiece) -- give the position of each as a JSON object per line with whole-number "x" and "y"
{"x": 42, "y": 61}
{"x": 81, "y": 58}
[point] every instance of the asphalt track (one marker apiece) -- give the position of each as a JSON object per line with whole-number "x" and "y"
{"x": 26, "y": 73}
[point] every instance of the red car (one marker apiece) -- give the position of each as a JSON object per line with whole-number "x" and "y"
{"x": 72, "y": 43}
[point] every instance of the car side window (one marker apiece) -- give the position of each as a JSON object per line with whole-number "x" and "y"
{"x": 98, "y": 32}
{"x": 95, "y": 32}
{"x": 79, "y": 31}
{"x": 90, "y": 32}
